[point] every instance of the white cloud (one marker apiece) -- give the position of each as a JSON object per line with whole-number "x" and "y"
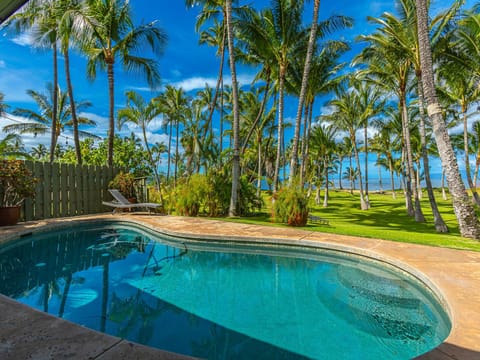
{"x": 3, "y": 65}
{"x": 29, "y": 140}
{"x": 24, "y": 39}
{"x": 198, "y": 82}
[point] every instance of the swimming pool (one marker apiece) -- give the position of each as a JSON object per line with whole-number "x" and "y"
{"x": 223, "y": 301}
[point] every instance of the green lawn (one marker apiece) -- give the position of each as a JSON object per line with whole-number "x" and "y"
{"x": 387, "y": 219}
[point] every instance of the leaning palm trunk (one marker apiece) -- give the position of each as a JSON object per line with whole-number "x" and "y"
{"x": 367, "y": 201}
{"x": 233, "y": 210}
{"x": 463, "y": 208}
{"x": 76, "y": 138}
{"x": 53, "y": 142}
{"x": 325, "y": 195}
{"x": 440, "y": 225}
{"x": 392, "y": 180}
{"x": 303, "y": 89}
{"x": 259, "y": 165}
{"x": 471, "y": 184}
{"x": 410, "y": 172}
{"x": 213, "y": 105}
{"x": 363, "y": 203}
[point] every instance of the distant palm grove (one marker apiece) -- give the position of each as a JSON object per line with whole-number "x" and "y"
{"x": 416, "y": 77}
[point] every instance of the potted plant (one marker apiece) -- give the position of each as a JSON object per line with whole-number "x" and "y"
{"x": 125, "y": 183}
{"x": 16, "y": 184}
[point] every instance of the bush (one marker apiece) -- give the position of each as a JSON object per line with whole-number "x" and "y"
{"x": 291, "y": 207}
{"x": 16, "y": 183}
{"x": 125, "y": 183}
{"x": 190, "y": 194}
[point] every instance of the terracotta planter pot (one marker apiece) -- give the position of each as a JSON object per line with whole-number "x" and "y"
{"x": 9, "y": 215}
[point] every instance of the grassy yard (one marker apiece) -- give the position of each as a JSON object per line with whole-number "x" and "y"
{"x": 387, "y": 219}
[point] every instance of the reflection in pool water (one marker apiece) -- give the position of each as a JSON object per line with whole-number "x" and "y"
{"x": 223, "y": 302}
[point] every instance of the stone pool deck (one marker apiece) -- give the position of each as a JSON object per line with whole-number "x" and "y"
{"x": 454, "y": 274}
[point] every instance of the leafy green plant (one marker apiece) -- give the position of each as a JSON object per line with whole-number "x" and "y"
{"x": 291, "y": 206}
{"x": 190, "y": 194}
{"x": 125, "y": 183}
{"x": 16, "y": 183}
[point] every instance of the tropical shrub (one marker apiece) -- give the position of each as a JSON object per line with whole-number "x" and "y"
{"x": 16, "y": 183}
{"x": 125, "y": 183}
{"x": 291, "y": 206}
{"x": 190, "y": 195}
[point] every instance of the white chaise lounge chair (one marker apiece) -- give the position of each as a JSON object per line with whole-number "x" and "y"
{"x": 121, "y": 202}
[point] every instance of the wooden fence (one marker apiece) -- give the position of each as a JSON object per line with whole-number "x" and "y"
{"x": 67, "y": 190}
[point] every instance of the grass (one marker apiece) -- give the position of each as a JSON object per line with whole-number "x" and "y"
{"x": 386, "y": 219}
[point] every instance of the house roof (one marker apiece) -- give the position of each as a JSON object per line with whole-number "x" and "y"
{"x": 8, "y": 7}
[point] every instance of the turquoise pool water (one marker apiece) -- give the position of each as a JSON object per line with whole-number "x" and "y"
{"x": 223, "y": 301}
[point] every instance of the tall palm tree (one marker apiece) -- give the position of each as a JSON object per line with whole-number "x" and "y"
{"x": 462, "y": 90}
{"x": 173, "y": 102}
{"x": 464, "y": 211}
{"x": 110, "y": 35}
{"x": 325, "y": 28}
{"x": 346, "y": 116}
{"x": 401, "y": 33}
{"x": 40, "y": 16}
{"x": 43, "y": 120}
{"x": 141, "y": 113}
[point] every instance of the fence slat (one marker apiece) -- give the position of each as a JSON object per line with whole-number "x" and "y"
{"x": 55, "y": 181}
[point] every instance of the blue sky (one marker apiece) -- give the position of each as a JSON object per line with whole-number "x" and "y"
{"x": 185, "y": 63}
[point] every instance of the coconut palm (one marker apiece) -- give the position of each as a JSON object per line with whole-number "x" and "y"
{"x": 11, "y": 146}
{"x": 462, "y": 90}
{"x": 467, "y": 220}
{"x": 141, "y": 113}
{"x": 42, "y": 121}
{"x": 109, "y": 35}
{"x": 40, "y": 17}
{"x": 346, "y": 117}
{"x": 400, "y": 32}
{"x": 325, "y": 28}
{"x": 172, "y": 103}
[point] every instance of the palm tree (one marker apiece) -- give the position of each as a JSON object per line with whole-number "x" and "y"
{"x": 173, "y": 102}
{"x": 11, "y": 146}
{"x": 400, "y": 34}
{"x": 326, "y": 27}
{"x": 346, "y": 117}
{"x": 43, "y": 120}
{"x": 464, "y": 211}
{"x": 109, "y": 35}
{"x": 141, "y": 113}
{"x": 323, "y": 149}
{"x": 40, "y": 16}
{"x": 39, "y": 152}
{"x": 462, "y": 90}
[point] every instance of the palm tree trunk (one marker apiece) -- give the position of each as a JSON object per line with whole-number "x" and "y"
{"x": 392, "y": 180}
{"x": 340, "y": 160}
{"x": 306, "y": 139}
{"x": 169, "y": 155}
{"x": 380, "y": 184}
{"x": 440, "y": 225}
{"x": 259, "y": 165}
{"x": 363, "y": 204}
{"x": 111, "y": 116}
{"x": 471, "y": 184}
{"x": 303, "y": 89}
{"x": 463, "y": 208}
{"x": 53, "y": 142}
{"x": 219, "y": 81}
{"x": 259, "y": 116}
{"x": 76, "y": 138}
{"x": 177, "y": 125}
{"x": 150, "y": 157}
{"x": 365, "y": 135}
{"x": 280, "y": 129}
{"x": 233, "y": 210}
{"x": 414, "y": 211}
{"x": 325, "y": 196}
{"x": 444, "y": 193}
